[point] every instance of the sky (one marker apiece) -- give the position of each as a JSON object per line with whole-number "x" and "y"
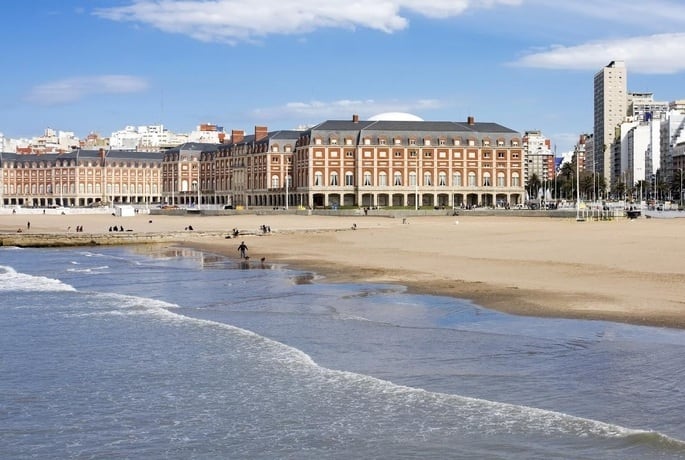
{"x": 101, "y": 65}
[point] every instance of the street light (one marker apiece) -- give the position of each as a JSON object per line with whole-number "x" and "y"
{"x": 681, "y": 187}
{"x": 286, "y": 184}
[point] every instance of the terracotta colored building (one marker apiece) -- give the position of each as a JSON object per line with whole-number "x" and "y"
{"x": 80, "y": 178}
{"x": 400, "y": 162}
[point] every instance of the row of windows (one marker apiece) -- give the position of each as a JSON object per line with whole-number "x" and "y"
{"x": 11, "y": 189}
{"x": 397, "y": 179}
{"x": 426, "y": 141}
{"x": 72, "y": 164}
{"x": 414, "y": 154}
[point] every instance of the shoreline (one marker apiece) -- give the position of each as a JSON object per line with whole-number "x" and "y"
{"x": 621, "y": 271}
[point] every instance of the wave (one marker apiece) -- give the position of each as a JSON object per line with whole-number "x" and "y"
{"x": 485, "y": 416}
{"x": 88, "y": 270}
{"x": 11, "y": 280}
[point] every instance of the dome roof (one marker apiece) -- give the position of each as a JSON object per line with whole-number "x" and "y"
{"x": 395, "y": 116}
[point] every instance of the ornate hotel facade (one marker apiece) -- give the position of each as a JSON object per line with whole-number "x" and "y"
{"x": 79, "y": 178}
{"x": 351, "y": 163}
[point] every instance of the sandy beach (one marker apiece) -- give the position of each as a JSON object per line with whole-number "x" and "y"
{"x": 620, "y": 270}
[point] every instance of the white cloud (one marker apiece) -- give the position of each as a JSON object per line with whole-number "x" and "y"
{"x": 663, "y": 14}
{"x": 73, "y": 89}
{"x": 315, "y": 111}
{"x": 654, "y": 54}
{"x": 231, "y": 21}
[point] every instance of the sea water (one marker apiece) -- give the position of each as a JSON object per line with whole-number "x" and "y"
{"x": 156, "y": 352}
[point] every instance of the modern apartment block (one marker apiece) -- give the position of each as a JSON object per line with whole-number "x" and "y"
{"x": 610, "y": 110}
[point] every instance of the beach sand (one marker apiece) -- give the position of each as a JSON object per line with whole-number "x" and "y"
{"x": 621, "y": 270}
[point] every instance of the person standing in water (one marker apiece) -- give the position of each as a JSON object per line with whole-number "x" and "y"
{"x": 243, "y": 250}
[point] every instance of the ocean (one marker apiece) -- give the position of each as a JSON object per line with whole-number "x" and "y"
{"x": 172, "y": 353}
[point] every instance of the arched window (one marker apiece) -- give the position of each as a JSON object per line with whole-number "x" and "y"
{"x": 412, "y": 179}
{"x": 427, "y": 180}
{"x": 515, "y": 180}
{"x": 367, "y": 178}
{"x": 274, "y": 181}
{"x": 397, "y": 178}
{"x": 349, "y": 178}
{"x": 382, "y": 179}
{"x": 318, "y": 179}
{"x": 500, "y": 179}
{"x": 472, "y": 179}
{"x": 334, "y": 178}
{"x": 486, "y": 180}
{"x": 442, "y": 179}
{"x": 456, "y": 179}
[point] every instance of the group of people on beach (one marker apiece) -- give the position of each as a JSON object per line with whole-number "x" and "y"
{"x": 115, "y": 228}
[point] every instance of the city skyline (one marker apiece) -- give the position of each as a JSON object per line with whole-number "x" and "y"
{"x": 528, "y": 65}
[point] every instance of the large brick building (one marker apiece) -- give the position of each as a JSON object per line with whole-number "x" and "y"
{"x": 80, "y": 178}
{"x": 400, "y": 162}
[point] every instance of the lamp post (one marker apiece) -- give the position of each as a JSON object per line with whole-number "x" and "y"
{"x": 416, "y": 184}
{"x": 681, "y": 187}
{"x": 286, "y": 185}
{"x": 578, "y": 218}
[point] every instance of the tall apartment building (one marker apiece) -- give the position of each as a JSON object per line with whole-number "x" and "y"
{"x": 539, "y": 158}
{"x": 611, "y": 107}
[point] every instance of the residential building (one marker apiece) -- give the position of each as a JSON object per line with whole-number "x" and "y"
{"x": 610, "y": 109}
{"x": 539, "y": 158}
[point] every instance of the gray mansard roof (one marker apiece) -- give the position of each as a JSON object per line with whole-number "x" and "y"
{"x": 417, "y": 129}
{"x": 76, "y": 155}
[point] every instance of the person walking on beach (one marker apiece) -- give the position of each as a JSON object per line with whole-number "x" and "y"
{"x": 243, "y": 250}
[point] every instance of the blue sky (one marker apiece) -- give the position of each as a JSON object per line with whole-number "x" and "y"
{"x": 99, "y": 65}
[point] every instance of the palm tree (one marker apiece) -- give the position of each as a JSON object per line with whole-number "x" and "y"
{"x": 533, "y": 186}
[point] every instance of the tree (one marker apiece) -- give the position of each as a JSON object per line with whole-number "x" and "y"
{"x": 586, "y": 184}
{"x": 533, "y": 186}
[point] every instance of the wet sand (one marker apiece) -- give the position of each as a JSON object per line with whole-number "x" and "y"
{"x": 622, "y": 270}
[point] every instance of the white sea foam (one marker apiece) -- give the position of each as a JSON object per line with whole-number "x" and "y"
{"x": 89, "y": 269}
{"x": 11, "y": 280}
{"x": 487, "y": 417}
